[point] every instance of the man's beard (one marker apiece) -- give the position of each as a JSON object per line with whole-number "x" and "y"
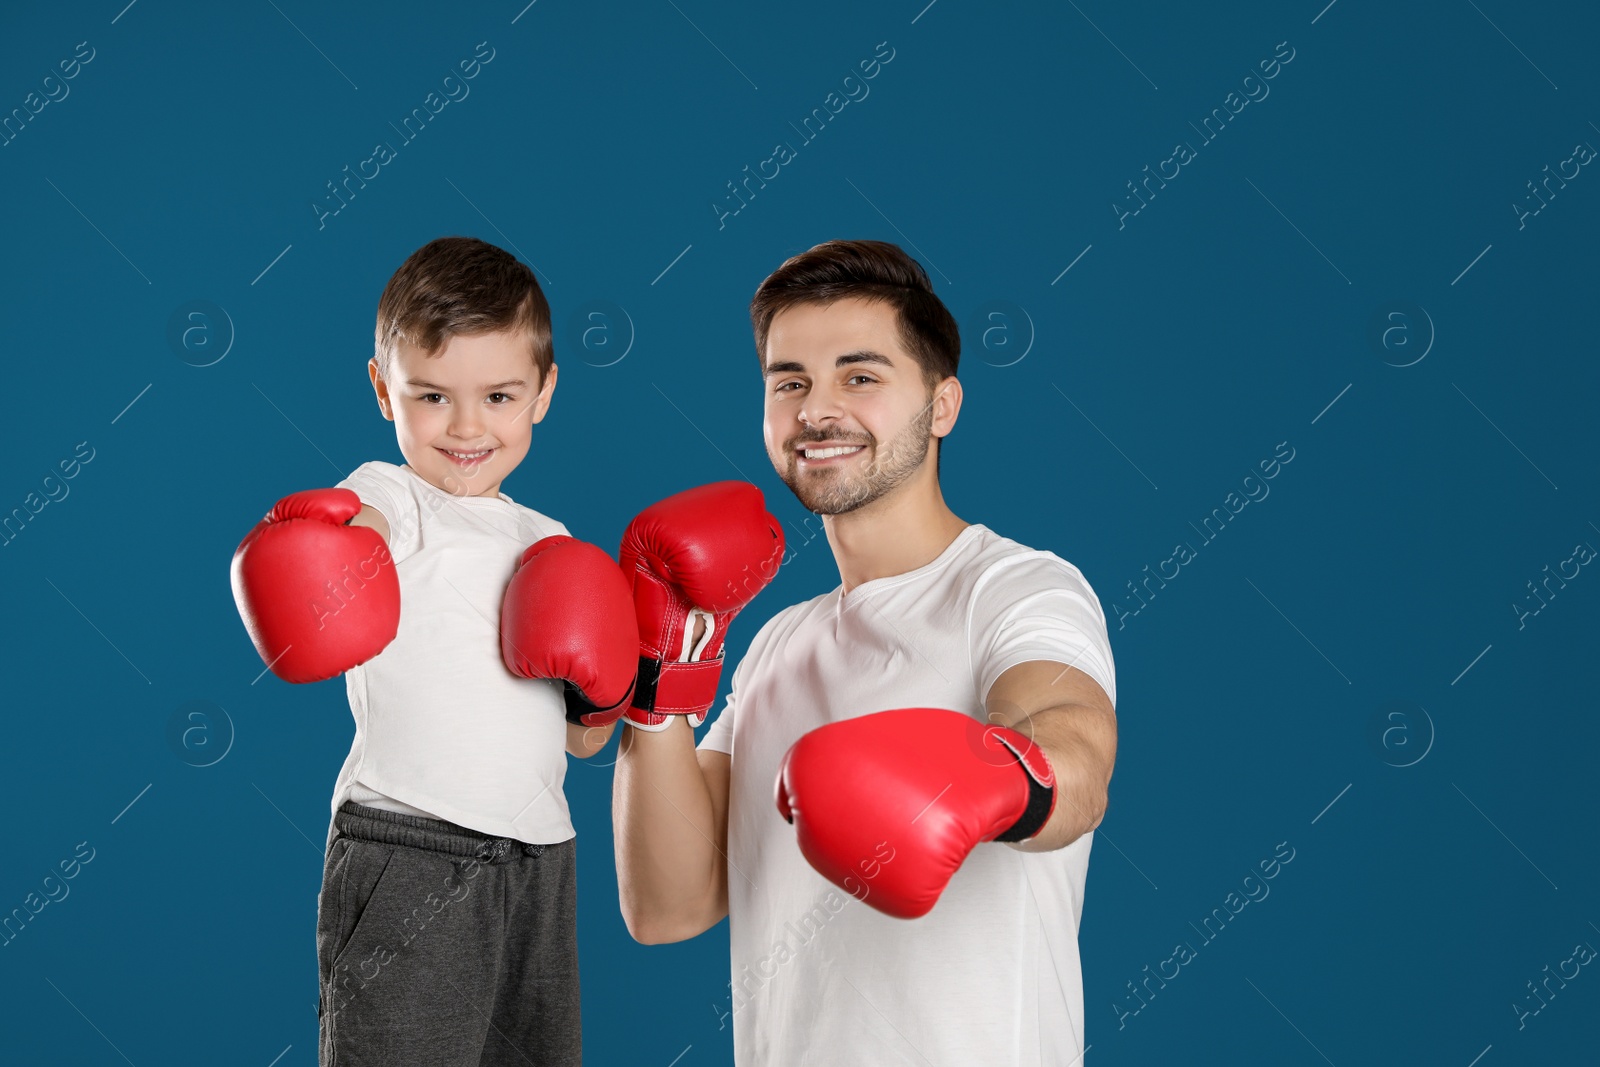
{"x": 840, "y": 490}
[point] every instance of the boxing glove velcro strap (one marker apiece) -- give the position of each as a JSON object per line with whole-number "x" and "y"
{"x": 676, "y": 688}
{"x": 1041, "y": 785}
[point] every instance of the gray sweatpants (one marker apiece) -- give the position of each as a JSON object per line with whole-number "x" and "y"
{"x": 439, "y": 946}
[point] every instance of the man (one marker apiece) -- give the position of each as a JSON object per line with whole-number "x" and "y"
{"x": 858, "y": 361}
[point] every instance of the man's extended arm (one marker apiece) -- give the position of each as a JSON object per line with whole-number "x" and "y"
{"x": 1068, "y": 715}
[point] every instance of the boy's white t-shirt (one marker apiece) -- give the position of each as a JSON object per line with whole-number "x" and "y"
{"x": 991, "y": 975}
{"x": 443, "y": 728}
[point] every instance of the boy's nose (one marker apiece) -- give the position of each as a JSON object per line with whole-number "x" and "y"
{"x": 467, "y": 424}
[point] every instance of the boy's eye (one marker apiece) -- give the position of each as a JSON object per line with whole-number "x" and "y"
{"x": 507, "y": 398}
{"x": 427, "y": 396}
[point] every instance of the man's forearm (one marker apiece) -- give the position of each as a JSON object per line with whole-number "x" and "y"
{"x": 1079, "y": 742}
{"x": 667, "y": 858}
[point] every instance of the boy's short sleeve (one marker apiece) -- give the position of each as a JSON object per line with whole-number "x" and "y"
{"x": 1038, "y": 608}
{"x": 383, "y": 487}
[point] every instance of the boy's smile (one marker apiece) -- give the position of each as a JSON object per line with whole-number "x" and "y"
{"x": 464, "y": 416}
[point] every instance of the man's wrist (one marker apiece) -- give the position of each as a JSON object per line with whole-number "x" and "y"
{"x": 1042, "y": 786}
{"x": 659, "y": 722}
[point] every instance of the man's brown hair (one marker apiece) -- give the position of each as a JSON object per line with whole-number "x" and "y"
{"x": 874, "y": 270}
{"x": 461, "y": 285}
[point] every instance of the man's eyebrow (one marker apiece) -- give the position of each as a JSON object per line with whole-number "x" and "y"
{"x": 864, "y": 355}
{"x": 420, "y": 384}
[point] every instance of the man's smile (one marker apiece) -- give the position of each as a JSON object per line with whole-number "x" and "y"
{"x": 822, "y": 453}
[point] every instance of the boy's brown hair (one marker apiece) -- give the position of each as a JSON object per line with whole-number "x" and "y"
{"x": 461, "y": 285}
{"x": 874, "y": 270}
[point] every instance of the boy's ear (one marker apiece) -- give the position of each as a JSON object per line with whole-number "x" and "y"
{"x": 380, "y": 387}
{"x": 541, "y": 403}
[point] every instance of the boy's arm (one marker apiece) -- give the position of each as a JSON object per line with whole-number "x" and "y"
{"x": 371, "y": 516}
{"x": 585, "y": 741}
{"x": 670, "y": 814}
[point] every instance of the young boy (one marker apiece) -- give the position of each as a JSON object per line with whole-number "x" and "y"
{"x": 446, "y": 923}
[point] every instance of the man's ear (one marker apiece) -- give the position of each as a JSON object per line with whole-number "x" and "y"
{"x": 380, "y": 387}
{"x": 946, "y": 406}
{"x": 541, "y": 403}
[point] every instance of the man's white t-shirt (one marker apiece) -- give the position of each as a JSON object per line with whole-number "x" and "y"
{"x": 443, "y": 729}
{"x": 991, "y": 975}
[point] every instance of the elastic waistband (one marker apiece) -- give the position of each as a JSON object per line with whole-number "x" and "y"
{"x": 436, "y": 835}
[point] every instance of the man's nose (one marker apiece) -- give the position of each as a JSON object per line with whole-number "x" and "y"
{"x": 822, "y": 405}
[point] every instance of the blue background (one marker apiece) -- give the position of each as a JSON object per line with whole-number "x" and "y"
{"x": 1341, "y": 669}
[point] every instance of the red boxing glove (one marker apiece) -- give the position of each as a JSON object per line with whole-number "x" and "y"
{"x": 317, "y": 596}
{"x": 702, "y": 553}
{"x": 888, "y": 805}
{"x": 568, "y": 615}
